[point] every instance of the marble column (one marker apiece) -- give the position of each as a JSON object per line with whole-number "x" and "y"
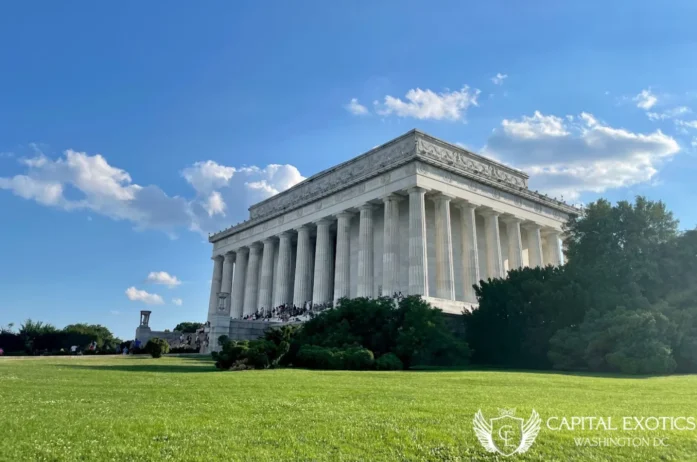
{"x": 283, "y": 270}
{"x": 515, "y": 243}
{"x": 322, "y": 290}
{"x": 534, "y": 246}
{"x": 418, "y": 266}
{"x": 238, "y": 283}
{"x": 226, "y": 285}
{"x": 390, "y": 245}
{"x": 365, "y": 251}
{"x": 342, "y": 272}
{"x": 216, "y": 281}
{"x": 251, "y": 292}
{"x": 555, "y": 256}
{"x": 493, "y": 245}
{"x": 469, "y": 257}
{"x": 445, "y": 273}
{"x": 302, "y": 289}
{"x": 219, "y": 321}
{"x": 266, "y": 283}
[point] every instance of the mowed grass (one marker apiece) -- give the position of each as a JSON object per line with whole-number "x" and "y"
{"x": 175, "y": 408}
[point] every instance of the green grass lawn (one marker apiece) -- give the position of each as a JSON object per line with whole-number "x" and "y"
{"x": 182, "y": 409}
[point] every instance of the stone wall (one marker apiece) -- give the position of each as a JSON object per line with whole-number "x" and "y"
{"x": 173, "y": 338}
{"x": 250, "y": 330}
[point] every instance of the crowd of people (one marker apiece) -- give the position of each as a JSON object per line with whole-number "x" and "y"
{"x": 292, "y": 313}
{"x": 288, "y": 312}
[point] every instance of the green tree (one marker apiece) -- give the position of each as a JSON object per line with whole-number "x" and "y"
{"x": 87, "y": 333}
{"x": 627, "y": 258}
{"x": 188, "y": 327}
{"x": 518, "y": 315}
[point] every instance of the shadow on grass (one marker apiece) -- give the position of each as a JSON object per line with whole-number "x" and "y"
{"x": 192, "y": 357}
{"x": 160, "y": 368}
{"x": 480, "y": 368}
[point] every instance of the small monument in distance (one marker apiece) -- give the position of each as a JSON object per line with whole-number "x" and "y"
{"x": 143, "y": 331}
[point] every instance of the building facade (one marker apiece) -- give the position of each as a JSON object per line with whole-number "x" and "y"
{"x": 416, "y": 215}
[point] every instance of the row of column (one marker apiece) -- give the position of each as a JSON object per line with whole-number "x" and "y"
{"x": 321, "y": 279}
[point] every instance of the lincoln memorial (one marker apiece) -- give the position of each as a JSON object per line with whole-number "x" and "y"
{"x": 416, "y": 215}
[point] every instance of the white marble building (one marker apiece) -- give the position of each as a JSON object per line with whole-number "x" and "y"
{"x": 416, "y": 215}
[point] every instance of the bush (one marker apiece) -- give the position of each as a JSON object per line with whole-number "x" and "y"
{"x": 257, "y": 354}
{"x": 156, "y": 347}
{"x": 389, "y": 362}
{"x": 414, "y": 331}
{"x": 317, "y": 357}
{"x": 359, "y": 359}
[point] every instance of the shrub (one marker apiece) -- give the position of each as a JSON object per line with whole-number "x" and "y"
{"x": 317, "y": 357}
{"x": 257, "y": 354}
{"x": 359, "y": 359}
{"x": 414, "y": 331}
{"x": 389, "y": 362}
{"x": 156, "y": 347}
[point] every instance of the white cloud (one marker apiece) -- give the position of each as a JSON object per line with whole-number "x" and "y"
{"x": 669, "y": 114}
{"x": 499, "y": 78}
{"x": 686, "y": 123}
{"x": 645, "y": 100}
{"x": 568, "y": 156}
{"x": 115, "y": 312}
{"x": 164, "y": 278}
{"x": 79, "y": 181}
{"x": 426, "y": 104}
{"x": 215, "y": 205}
{"x": 177, "y": 301}
{"x": 136, "y": 295}
{"x": 208, "y": 175}
{"x": 355, "y": 108}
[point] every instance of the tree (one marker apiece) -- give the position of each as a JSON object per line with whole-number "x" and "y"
{"x": 622, "y": 303}
{"x": 188, "y": 327}
{"x": 518, "y": 315}
{"x": 628, "y": 258}
{"x": 87, "y": 333}
{"x": 621, "y": 245}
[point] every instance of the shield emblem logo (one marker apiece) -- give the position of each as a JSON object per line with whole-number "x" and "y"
{"x": 507, "y": 433}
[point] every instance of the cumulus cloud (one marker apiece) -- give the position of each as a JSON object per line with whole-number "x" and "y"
{"x": 136, "y": 295}
{"x": 80, "y": 181}
{"x": 356, "y": 108}
{"x": 164, "y": 278}
{"x": 429, "y": 105}
{"x": 499, "y": 78}
{"x": 177, "y": 301}
{"x": 645, "y": 100}
{"x": 570, "y": 155}
{"x": 223, "y": 194}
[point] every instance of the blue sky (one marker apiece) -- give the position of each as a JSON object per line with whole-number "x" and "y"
{"x": 128, "y": 131}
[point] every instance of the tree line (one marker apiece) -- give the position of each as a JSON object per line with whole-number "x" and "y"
{"x": 36, "y": 337}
